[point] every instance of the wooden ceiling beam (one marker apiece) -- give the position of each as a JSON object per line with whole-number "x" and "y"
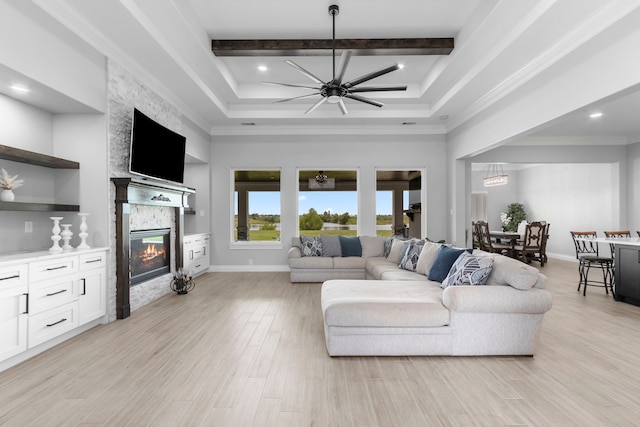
{"x": 310, "y": 47}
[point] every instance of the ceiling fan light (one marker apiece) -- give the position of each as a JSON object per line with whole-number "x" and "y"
{"x": 333, "y": 99}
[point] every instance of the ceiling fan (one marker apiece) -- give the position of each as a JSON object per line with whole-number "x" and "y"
{"x": 335, "y": 90}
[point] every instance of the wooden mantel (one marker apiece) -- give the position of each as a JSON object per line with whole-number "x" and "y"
{"x": 138, "y": 191}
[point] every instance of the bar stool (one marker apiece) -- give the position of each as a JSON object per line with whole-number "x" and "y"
{"x": 588, "y": 256}
{"x": 622, "y": 234}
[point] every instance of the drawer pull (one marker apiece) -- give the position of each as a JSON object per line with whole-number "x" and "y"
{"x": 56, "y": 293}
{"x": 84, "y": 286}
{"x": 55, "y": 323}
{"x": 93, "y": 260}
{"x": 56, "y": 268}
{"x": 26, "y": 306}
{"x": 10, "y": 277}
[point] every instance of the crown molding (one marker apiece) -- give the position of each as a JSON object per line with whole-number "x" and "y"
{"x": 572, "y": 140}
{"x": 328, "y": 130}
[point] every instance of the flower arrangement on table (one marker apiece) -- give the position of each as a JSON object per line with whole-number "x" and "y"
{"x": 514, "y": 215}
{"x": 182, "y": 282}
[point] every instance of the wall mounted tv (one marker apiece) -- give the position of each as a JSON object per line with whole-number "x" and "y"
{"x": 156, "y": 152}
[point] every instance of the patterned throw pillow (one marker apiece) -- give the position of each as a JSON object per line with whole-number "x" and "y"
{"x": 468, "y": 270}
{"x": 387, "y": 247}
{"x": 311, "y": 246}
{"x": 411, "y": 254}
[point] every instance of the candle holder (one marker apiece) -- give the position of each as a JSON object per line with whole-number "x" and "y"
{"x": 83, "y": 231}
{"x": 182, "y": 282}
{"x": 55, "y": 248}
{"x": 66, "y": 237}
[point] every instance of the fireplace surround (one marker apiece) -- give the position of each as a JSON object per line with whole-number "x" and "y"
{"x": 138, "y": 191}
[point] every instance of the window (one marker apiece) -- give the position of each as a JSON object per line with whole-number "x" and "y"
{"x": 328, "y": 202}
{"x": 256, "y": 205}
{"x": 399, "y": 203}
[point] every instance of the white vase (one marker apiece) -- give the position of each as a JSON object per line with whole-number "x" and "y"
{"x": 7, "y": 196}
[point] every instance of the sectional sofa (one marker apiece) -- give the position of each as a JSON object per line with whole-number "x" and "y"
{"x": 396, "y": 299}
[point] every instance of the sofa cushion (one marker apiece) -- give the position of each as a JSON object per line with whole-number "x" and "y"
{"x": 468, "y": 270}
{"x": 311, "y": 246}
{"x": 372, "y": 303}
{"x": 443, "y": 262}
{"x": 509, "y": 271}
{"x": 330, "y": 245}
{"x": 314, "y": 262}
{"x": 399, "y": 274}
{"x": 411, "y": 252}
{"x": 427, "y": 257}
{"x": 349, "y": 262}
{"x": 372, "y": 246}
{"x": 350, "y": 246}
{"x": 376, "y": 266}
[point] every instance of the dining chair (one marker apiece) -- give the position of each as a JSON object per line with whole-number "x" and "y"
{"x": 588, "y": 256}
{"x": 638, "y": 233}
{"x": 475, "y": 236}
{"x": 532, "y": 243}
{"x": 488, "y": 245}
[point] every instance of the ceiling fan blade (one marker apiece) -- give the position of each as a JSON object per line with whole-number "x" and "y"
{"x": 365, "y": 100}
{"x": 290, "y": 85}
{"x": 303, "y": 71}
{"x": 343, "y": 107}
{"x": 370, "y": 76}
{"x": 316, "y": 105}
{"x": 342, "y": 67}
{"x": 297, "y": 97}
{"x": 377, "y": 89}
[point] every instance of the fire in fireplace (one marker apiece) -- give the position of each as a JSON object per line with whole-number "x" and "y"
{"x": 150, "y": 254}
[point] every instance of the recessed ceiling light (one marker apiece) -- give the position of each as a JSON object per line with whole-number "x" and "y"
{"x": 19, "y": 88}
{"x": 595, "y": 115}
{"x": 262, "y": 67}
{"x": 401, "y": 66}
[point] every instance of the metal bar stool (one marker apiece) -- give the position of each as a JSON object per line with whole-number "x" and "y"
{"x": 588, "y": 256}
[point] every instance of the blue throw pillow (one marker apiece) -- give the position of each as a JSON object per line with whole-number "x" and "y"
{"x": 350, "y": 246}
{"x": 444, "y": 260}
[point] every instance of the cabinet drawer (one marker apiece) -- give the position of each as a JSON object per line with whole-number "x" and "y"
{"x": 93, "y": 260}
{"x": 52, "y": 293}
{"x": 51, "y": 323}
{"x": 49, "y": 269}
{"x": 13, "y": 275}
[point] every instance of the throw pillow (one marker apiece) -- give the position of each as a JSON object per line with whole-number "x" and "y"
{"x": 372, "y": 246}
{"x": 311, "y": 246}
{"x": 387, "y": 247}
{"x": 427, "y": 257}
{"x": 411, "y": 254}
{"x": 350, "y": 246}
{"x": 395, "y": 254}
{"x": 444, "y": 260}
{"x": 468, "y": 270}
{"x": 330, "y": 245}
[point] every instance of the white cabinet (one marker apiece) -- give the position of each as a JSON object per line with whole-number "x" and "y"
{"x": 48, "y": 295}
{"x": 92, "y": 285}
{"x": 196, "y": 253}
{"x": 13, "y": 310}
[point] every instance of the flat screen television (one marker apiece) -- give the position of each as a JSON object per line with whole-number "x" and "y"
{"x": 156, "y": 151}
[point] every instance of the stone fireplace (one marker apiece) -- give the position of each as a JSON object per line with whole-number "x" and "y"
{"x": 148, "y": 213}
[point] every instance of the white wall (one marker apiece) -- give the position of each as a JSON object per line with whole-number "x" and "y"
{"x": 633, "y": 187}
{"x": 290, "y": 153}
{"x": 571, "y": 197}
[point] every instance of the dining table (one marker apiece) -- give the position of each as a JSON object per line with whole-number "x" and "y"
{"x": 511, "y": 236}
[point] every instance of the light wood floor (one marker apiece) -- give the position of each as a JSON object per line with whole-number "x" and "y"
{"x": 247, "y": 349}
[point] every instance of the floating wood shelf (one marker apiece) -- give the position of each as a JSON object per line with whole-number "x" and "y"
{"x": 37, "y": 159}
{"x": 38, "y": 207}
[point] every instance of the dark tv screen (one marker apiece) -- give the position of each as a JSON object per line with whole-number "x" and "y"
{"x": 156, "y": 151}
